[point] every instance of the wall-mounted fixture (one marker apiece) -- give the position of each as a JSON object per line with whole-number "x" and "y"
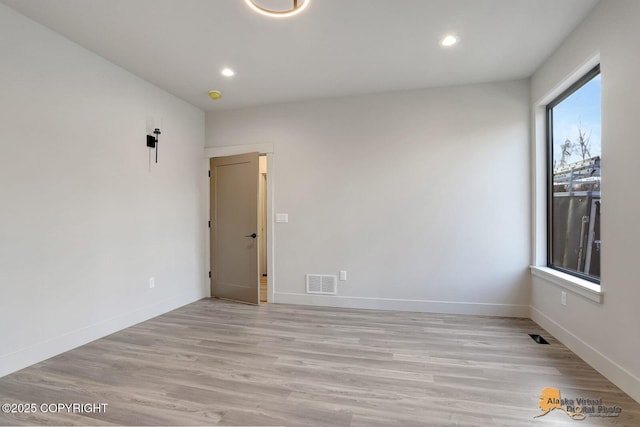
{"x": 152, "y": 141}
{"x": 260, "y": 7}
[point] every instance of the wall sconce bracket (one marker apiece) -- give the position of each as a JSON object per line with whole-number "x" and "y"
{"x": 152, "y": 141}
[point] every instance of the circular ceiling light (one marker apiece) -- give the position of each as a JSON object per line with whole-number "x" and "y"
{"x": 449, "y": 40}
{"x": 215, "y": 94}
{"x": 227, "y": 72}
{"x": 278, "y": 8}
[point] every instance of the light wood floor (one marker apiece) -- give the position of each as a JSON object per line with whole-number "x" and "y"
{"x": 219, "y": 363}
{"x": 263, "y": 288}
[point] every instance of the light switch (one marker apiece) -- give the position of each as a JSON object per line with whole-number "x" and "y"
{"x": 282, "y": 217}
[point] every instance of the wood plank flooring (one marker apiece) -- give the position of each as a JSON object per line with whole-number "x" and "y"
{"x": 219, "y": 363}
{"x": 263, "y": 288}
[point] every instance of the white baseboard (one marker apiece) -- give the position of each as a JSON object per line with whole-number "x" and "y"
{"x": 44, "y": 350}
{"x": 615, "y": 373}
{"x": 424, "y": 306}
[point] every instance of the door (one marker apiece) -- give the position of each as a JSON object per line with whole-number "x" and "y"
{"x": 234, "y": 227}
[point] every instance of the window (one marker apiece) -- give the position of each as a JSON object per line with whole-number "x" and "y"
{"x": 573, "y": 168}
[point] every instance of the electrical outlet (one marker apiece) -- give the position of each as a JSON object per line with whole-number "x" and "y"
{"x": 152, "y": 282}
{"x": 563, "y": 298}
{"x": 343, "y": 275}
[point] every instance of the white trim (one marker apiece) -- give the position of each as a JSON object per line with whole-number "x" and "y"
{"x": 539, "y": 188}
{"x": 271, "y": 246}
{"x": 232, "y": 150}
{"x": 44, "y": 350}
{"x": 570, "y": 79}
{"x": 424, "y": 306}
{"x": 573, "y": 284}
{"x": 611, "y": 370}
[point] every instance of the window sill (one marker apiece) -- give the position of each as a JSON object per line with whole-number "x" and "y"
{"x": 584, "y": 288}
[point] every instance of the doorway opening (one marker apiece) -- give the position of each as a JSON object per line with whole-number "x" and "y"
{"x": 262, "y": 227}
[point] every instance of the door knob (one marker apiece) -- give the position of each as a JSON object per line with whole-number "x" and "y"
{"x": 253, "y": 235}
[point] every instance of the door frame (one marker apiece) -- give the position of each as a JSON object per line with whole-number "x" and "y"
{"x": 232, "y": 150}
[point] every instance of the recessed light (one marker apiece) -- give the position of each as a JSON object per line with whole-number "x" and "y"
{"x": 449, "y": 40}
{"x": 228, "y": 72}
{"x": 215, "y": 94}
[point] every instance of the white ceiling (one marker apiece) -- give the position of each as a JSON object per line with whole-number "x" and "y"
{"x": 335, "y": 47}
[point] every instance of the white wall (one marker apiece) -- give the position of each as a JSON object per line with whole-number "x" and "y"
{"x": 422, "y": 196}
{"x": 605, "y": 335}
{"x": 83, "y": 223}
